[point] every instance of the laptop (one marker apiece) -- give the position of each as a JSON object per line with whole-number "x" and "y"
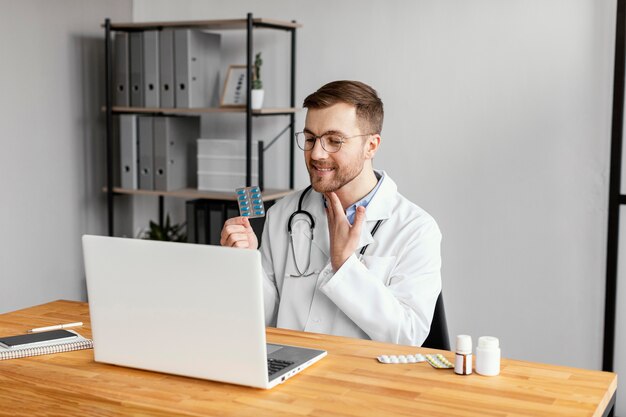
{"x": 184, "y": 309}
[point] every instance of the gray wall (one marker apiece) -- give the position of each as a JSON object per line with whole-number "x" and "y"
{"x": 498, "y": 116}
{"x": 51, "y": 132}
{"x": 497, "y": 123}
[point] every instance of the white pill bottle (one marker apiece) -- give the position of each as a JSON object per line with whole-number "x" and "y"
{"x": 488, "y": 356}
{"x": 463, "y": 357}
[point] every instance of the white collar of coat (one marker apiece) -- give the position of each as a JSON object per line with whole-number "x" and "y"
{"x": 379, "y": 208}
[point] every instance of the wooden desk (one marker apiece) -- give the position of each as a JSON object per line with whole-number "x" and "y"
{"x": 349, "y": 382}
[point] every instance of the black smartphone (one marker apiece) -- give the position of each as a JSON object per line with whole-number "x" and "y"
{"x": 26, "y": 339}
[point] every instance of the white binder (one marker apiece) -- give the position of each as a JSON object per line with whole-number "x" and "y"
{"x": 174, "y": 152}
{"x": 166, "y": 69}
{"x": 128, "y": 152}
{"x": 197, "y": 56}
{"x": 136, "y": 69}
{"x": 151, "y": 68}
{"x": 146, "y": 153}
{"x": 120, "y": 93}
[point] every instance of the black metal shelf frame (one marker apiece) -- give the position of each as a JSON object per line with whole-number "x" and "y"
{"x": 616, "y": 199}
{"x": 250, "y": 26}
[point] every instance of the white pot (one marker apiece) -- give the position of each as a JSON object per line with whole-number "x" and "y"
{"x": 257, "y": 99}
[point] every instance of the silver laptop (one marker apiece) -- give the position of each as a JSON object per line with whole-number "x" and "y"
{"x": 184, "y": 309}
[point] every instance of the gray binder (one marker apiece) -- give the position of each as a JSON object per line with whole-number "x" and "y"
{"x": 151, "y": 68}
{"x": 136, "y": 69}
{"x": 197, "y": 56}
{"x": 190, "y": 219}
{"x": 129, "y": 152}
{"x": 174, "y": 152}
{"x": 146, "y": 153}
{"x": 120, "y": 93}
{"x": 166, "y": 69}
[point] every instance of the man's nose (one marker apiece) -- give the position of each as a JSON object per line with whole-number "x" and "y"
{"x": 318, "y": 152}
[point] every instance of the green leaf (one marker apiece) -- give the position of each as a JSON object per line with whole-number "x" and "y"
{"x": 168, "y": 232}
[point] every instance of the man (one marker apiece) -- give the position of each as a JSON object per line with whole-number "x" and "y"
{"x": 351, "y": 256}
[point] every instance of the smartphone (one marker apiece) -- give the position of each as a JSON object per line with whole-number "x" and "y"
{"x": 39, "y": 338}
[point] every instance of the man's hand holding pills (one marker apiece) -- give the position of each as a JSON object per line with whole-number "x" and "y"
{"x": 238, "y": 233}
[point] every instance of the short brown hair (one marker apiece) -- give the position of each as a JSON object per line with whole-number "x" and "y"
{"x": 369, "y": 107}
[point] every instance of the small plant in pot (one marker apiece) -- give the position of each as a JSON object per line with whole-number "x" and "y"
{"x": 169, "y": 232}
{"x": 257, "y": 84}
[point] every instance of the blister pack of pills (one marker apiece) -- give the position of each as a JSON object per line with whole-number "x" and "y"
{"x": 439, "y": 361}
{"x": 250, "y": 202}
{"x": 401, "y": 358}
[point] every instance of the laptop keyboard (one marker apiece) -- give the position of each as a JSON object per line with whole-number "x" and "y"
{"x": 275, "y": 365}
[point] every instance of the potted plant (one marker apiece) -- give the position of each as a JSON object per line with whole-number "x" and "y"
{"x": 257, "y": 84}
{"x": 169, "y": 232}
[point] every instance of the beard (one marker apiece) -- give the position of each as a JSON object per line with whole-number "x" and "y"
{"x": 334, "y": 180}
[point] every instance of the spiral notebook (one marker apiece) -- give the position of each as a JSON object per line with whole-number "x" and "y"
{"x": 46, "y": 349}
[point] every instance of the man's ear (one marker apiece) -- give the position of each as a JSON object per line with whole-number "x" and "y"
{"x": 371, "y": 145}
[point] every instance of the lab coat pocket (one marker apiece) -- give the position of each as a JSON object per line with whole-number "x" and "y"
{"x": 380, "y": 266}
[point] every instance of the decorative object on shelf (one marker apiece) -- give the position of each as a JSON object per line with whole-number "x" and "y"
{"x": 234, "y": 91}
{"x": 257, "y": 84}
{"x": 168, "y": 231}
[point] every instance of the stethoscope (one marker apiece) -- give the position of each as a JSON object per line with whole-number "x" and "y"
{"x": 311, "y": 222}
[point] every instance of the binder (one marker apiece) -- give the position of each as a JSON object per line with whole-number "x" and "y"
{"x": 136, "y": 69}
{"x": 197, "y": 56}
{"x": 166, "y": 69}
{"x": 120, "y": 95}
{"x": 202, "y": 223}
{"x": 190, "y": 220}
{"x": 174, "y": 152}
{"x": 214, "y": 213}
{"x": 129, "y": 154}
{"x": 146, "y": 153}
{"x": 205, "y": 220}
{"x": 151, "y": 68}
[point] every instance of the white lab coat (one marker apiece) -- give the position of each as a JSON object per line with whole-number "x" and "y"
{"x": 389, "y": 296}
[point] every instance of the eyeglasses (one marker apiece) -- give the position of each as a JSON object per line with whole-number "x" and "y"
{"x": 331, "y": 142}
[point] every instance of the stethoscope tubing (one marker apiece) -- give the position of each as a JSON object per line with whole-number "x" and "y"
{"x": 312, "y": 228}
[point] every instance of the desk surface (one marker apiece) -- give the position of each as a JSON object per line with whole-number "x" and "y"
{"x": 348, "y": 382}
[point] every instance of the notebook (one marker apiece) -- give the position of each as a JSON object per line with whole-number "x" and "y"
{"x": 184, "y": 309}
{"x": 41, "y": 348}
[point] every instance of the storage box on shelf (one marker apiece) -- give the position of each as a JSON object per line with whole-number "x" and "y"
{"x": 222, "y": 164}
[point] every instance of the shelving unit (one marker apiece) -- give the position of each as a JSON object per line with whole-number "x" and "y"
{"x": 248, "y": 24}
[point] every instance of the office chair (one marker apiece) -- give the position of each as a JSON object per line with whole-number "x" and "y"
{"x": 438, "y": 336}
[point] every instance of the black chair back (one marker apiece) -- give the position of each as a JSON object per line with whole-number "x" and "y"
{"x": 438, "y": 337}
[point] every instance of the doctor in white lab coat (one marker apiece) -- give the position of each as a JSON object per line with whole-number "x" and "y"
{"x": 362, "y": 261}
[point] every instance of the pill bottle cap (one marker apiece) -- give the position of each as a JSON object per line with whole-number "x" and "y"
{"x": 488, "y": 342}
{"x": 464, "y": 344}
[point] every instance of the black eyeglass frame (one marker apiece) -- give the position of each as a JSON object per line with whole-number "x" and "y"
{"x": 322, "y": 141}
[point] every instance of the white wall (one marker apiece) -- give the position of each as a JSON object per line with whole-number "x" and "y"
{"x": 497, "y": 122}
{"x": 52, "y": 138}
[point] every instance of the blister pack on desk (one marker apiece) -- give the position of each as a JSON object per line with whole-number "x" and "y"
{"x": 250, "y": 202}
{"x": 401, "y": 358}
{"x": 438, "y": 361}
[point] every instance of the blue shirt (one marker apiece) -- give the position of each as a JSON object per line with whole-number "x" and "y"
{"x": 351, "y": 211}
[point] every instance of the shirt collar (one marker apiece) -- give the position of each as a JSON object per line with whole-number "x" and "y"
{"x": 351, "y": 211}
{"x": 379, "y": 207}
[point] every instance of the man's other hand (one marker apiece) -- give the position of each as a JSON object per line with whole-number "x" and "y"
{"x": 344, "y": 237}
